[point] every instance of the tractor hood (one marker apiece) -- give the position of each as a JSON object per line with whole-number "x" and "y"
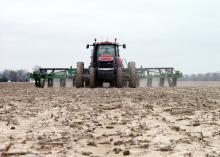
{"x": 105, "y": 57}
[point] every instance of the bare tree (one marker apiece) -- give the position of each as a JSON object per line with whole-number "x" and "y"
{"x": 202, "y": 77}
{"x": 15, "y": 76}
{"x": 36, "y": 68}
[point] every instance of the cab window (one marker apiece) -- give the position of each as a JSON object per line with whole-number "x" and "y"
{"x": 106, "y": 49}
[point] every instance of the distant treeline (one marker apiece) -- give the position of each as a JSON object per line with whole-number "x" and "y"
{"x": 14, "y": 76}
{"x": 202, "y": 77}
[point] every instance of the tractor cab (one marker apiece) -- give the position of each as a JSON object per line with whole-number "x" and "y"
{"x": 106, "y": 50}
{"x": 105, "y": 55}
{"x": 106, "y": 62}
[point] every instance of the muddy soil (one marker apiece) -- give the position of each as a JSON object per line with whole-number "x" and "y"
{"x": 109, "y": 122}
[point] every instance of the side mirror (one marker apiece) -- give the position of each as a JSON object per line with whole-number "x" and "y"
{"x": 124, "y": 46}
{"x": 87, "y": 46}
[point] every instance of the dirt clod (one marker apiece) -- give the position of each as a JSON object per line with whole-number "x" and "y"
{"x": 126, "y": 152}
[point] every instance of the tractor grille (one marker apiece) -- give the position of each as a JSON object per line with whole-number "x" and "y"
{"x": 106, "y": 64}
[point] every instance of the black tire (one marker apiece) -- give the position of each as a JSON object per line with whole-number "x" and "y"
{"x": 100, "y": 84}
{"x": 91, "y": 77}
{"x": 86, "y": 83}
{"x": 132, "y": 74}
{"x": 119, "y": 77}
{"x": 79, "y": 75}
{"x": 112, "y": 84}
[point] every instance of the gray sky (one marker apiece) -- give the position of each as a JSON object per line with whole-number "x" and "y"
{"x": 184, "y": 34}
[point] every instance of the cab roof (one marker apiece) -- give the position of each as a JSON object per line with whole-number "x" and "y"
{"x": 105, "y": 43}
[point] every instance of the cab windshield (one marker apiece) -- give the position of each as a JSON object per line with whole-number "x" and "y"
{"x": 106, "y": 49}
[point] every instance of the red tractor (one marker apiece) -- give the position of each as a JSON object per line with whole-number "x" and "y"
{"x": 106, "y": 66}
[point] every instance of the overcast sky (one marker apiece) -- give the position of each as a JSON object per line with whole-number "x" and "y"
{"x": 184, "y": 34}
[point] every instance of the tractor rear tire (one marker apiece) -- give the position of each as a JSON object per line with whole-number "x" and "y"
{"x": 100, "y": 84}
{"x": 112, "y": 84}
{"x": 79, "y": 75}
{"x": 86, "y": 83}
{"x": 91, "y": 77}
{"x": 119, "y": 77}
{"x": 132, "y": 74}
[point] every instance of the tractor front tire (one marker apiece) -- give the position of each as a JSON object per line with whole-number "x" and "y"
{"x": 132, "y": 74}
{"x": 119, "y": 77}
{"x": 79, "y": 75}
{"x": 91, "y": 77}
